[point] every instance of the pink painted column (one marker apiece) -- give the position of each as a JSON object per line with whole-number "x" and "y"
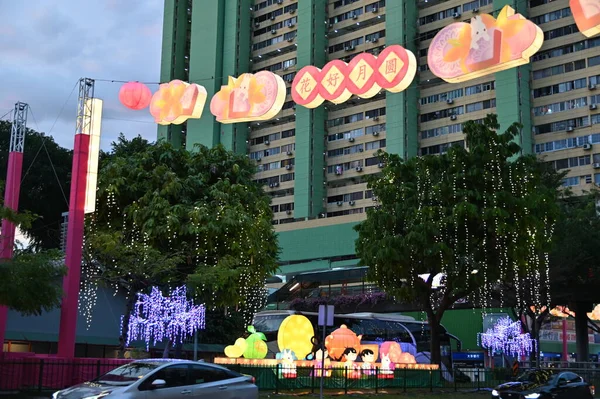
{"x": 74, "y": 247}
{"x": 7, "y": 242}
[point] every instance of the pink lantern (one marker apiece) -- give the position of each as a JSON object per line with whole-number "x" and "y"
{"x": 135, "y": 95}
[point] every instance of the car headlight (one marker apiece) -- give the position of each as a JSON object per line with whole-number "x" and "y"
{"x": 532, "y": 396}
{"x": 494, "y": 392}
{"x": 55, "y": 395}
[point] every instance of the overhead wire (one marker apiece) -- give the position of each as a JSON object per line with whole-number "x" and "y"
{"x": 50, "y": 159}
{"x": 54, "y": 124}
{"x": 2, "y": 117}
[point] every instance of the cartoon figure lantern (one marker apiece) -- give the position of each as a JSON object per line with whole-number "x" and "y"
{"x": 135, "y": 95}
{"x": 295, "y": 333}
{"x": 342, "y": 338}
{"x": 463, "y": 51}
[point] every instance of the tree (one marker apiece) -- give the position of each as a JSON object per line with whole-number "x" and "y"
{"x": 575, "y": 261}
{"x": 45, "y": 184}
{"x": 473, "y": 216}
{"x": 199, "y": 213}
{"x": 31, "y": 283}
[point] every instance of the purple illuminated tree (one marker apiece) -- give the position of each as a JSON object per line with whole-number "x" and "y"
{"x": 156, "y": 317}
{"x": 507, "y": 337}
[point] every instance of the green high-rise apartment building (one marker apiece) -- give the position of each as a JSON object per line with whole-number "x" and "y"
{"x": 314, "y": 162}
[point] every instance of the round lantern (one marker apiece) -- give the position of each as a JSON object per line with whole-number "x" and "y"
{"x": 342, "y": 338}
{"x": 392, "y": 349}
{"x": 135, "y": 95}
{"x": 295, "y": 333}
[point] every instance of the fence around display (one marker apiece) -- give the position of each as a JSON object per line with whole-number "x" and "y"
{"x": 51, "y": 374}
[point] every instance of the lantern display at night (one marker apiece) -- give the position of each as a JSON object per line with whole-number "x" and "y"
{"x": 341, "y": 339}
{"x": 587, "y": 16}
{"x": 295, "y": 333}
{"x": 177, "y": 101}
{"x": 250, "y": 97}
{"x": 135, "y": 95}
{"x": 365, "y": 76}
{"x": 156, "y": 317}
{"x": 253, "y": 347}
{"x": 463, "y": 51}
{"x": 506, "y": 336}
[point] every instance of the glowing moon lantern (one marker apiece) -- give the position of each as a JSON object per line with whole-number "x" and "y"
{"x": 135, "y": 95}
{"x": 295, "y": 333}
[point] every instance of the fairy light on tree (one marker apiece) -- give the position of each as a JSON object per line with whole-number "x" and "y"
{"x": 157, "y": 317}
{"x": 472, "y": 216}
{"x": 506, "y": 336}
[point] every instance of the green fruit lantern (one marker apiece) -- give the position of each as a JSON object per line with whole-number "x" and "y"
{"x": 256, "y": 345}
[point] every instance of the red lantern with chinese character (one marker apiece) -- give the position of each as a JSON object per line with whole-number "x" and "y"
{"x": 135, "y": 95}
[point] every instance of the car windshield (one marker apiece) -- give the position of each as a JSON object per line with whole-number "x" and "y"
{"x": 537, "y": 376}
{"x": 127, "y": 374}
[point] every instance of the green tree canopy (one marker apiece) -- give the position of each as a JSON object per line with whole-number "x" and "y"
{"x": 31, "y": 283}
{"x": 41, "y": 190}
{"x": 168, "y": 216}
{"x": 473, "y": 216}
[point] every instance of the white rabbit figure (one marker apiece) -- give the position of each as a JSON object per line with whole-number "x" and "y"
{"x": 478, "y": 31}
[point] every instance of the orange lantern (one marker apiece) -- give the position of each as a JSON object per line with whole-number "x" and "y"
{"x": 135, "y": 95}
{"x": 342, "y": 338}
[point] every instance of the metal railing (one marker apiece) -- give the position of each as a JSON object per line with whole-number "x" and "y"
{"x": 53, "y": 374}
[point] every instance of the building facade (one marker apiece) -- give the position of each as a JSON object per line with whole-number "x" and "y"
{"x": 313, "y": 162}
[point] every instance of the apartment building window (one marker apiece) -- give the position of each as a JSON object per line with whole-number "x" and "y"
{"x": 577, "y": 180}
{"x": 374, "y": 113}
{"x": 269, "y": 166}
{"x": 595, "y": 80}
{"x": 564, "y": 144}
{"x": 345, "y": 135}
{"x": 429, "y": 34}
{"x": 593, "y": 61}
{"x": 288, "y": 133}
{"x": 264, "y": 153}
{"x": 560, "y": 88}
{"x": 560, "y": 106}
{"x": 269, "y": 15}
{"x": 345, "y": 197}
{"x": 374, "y": 145}
{"x": 440, "y": 148}
{"x": 290, "y": 35}
{"x": 595, "y": 119}
{"x": 441, "y": 131}
{"x": 561, "y": 125}
{"x": 343, "y": 120}
{"x": 287, "y": 207}
{"x": 341, "y": 167}
{"x": 345, "y": 16}
{"x": 287, "y": 177}
{"x": 289, "y": 161}
{"x": 567, "y": 49}
{"x": 457, "y": 93}
{"x": 475, "y": 4}
{"x": 376, "y": 35}
{"x": 536, "y": 3}
{"x": 438, "y": 16}
{"x": 268, "y": 180}
{"x": 291, "y": 7}
{"x": 480, "y": 88}
{"x": 597, "y": 179}
{"x": 344, "y": 212}
{"x": 573, "y": 162}
{"x": 560, "y": 32}
{"x": 551, "y": 16}
{"x": 262, "y": 139}
{"x": 289, "y": 77}
{"x": 288, "y": 147}
{"x": 372, "y": 161}
{"x": 560, "y": 69}
{"x": 349, "y": 43}
{"x": 288, "y": 105}
{"x": 481, "y": 105}
{"x": 375, "y": 129}
{"x": 374, "y": 6}
{"x": 444, "y": 113}
{"x": 264, "y": 4}
{"x": 342, "y": 3}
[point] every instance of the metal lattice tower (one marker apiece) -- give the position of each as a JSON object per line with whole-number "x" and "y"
{"x": 17, "y": 134}
{"x": 84, "y": 112}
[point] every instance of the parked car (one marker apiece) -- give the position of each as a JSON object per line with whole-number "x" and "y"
{"x": 545, "y": 384}
{"x": 165, "y": 378}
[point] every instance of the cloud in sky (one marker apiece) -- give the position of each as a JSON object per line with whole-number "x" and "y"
{"x": 46, "y": 48}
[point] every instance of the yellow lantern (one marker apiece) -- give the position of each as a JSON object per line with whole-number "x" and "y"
{"x": 296, "y": 333}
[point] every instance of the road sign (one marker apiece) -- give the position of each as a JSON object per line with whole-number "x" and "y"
{"x": 326, "y": 315}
